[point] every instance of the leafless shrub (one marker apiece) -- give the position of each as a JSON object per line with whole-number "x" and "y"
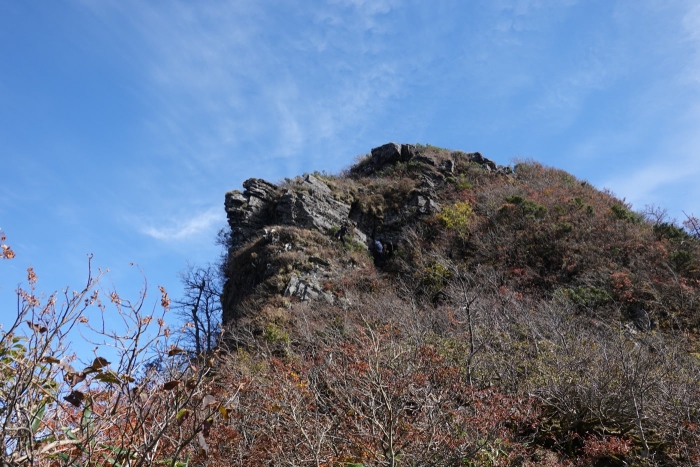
{"x": 142, "y": 408}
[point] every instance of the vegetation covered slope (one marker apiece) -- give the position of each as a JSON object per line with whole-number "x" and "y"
{"x": 523, "y": 318}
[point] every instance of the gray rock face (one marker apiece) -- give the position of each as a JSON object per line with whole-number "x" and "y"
{"x": 488, "y": 164}
{"x": 306, "y": 288}
{"x": 389, "y": 153}
{"x": 392, "y": 153}
{"x": 249, "y": 211}
{"x": 481, "y": 160}
{"x": 311, "y": 206}
{"x": 424, "y": 204}
{"x": 259, "y": 188}
{"x": 447, "y": 167}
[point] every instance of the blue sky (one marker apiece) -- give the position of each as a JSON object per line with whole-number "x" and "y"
{"x": 124, "y": 122}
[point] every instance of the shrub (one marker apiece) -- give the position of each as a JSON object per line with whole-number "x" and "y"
{"x": 671, "y": 232}
{"x": 461, "y": 182}
{"x": 682, "y": 262}
{"x": 142, "y": 408}
{"x": 434, "y": 278}
{"x": 528, "y": 207}
{"x": 274, "y": 334}
{"x": 456, "y": 217}
{"x": 589, "y": 297}
{"x": 621, "y": 212}
{"x": 515, "y": 199}
{"x": 564, "y": 227}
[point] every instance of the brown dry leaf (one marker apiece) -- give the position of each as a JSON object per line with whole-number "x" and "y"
{"x": 31, "y": 275}
{"x": 75, "y": 398}
{"x": 73, "y": 377}
{"x": 128, "y": 378}
{"x": 7, "y": 252}
{"x": 203, "y": 444}
{"x": 170, "y": 385}
{"x": 175, "y": 351}
{"x": 99, "y": 363}
{"x": 164, "y": 299}
{"x": 206, "y": 426}
{"x": 209, "y": 400}
{"x": 109, "y": 377}
{"x": 37, "y": 327}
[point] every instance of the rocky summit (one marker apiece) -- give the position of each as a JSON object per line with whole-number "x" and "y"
{"x": 316, "y": 202}
{"x": 428, "y": 306}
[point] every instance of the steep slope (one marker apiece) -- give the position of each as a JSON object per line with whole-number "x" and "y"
{"x": 516, "y": 316}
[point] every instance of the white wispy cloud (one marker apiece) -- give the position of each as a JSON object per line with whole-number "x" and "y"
{"x": 691, "y": 28}
{"x": 243, "y": 79}
{"x": 201, "y": 224}
{"x": 669, "y": 179}
{"x": 220, "y": 76}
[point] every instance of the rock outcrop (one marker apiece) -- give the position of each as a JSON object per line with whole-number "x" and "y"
{"x": 311, "y": 203}
{"x": 312, "y": 206}
{"x": 263, "y": 210}
{"x": 250, "y": 211}
{"x": 392, "y": 153}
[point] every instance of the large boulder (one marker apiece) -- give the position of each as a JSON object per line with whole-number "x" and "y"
{"x": 389, "y": 153}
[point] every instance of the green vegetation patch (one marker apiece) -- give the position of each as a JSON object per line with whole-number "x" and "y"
{"x": 671, "y": 232}
{"x": 621, "y": 212}
{"x": 274, "y": 334}
{"x": 528, "y": 207}
{"x": 682, "y": 262}
{"x": 434, "y": 278}
{"x": 456, "y": 217}
{"x": 588, "y": 297}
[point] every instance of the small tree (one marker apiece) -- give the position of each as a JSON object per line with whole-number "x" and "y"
{"x": 692, "y": 223}
{"x": 200, "y": 307}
